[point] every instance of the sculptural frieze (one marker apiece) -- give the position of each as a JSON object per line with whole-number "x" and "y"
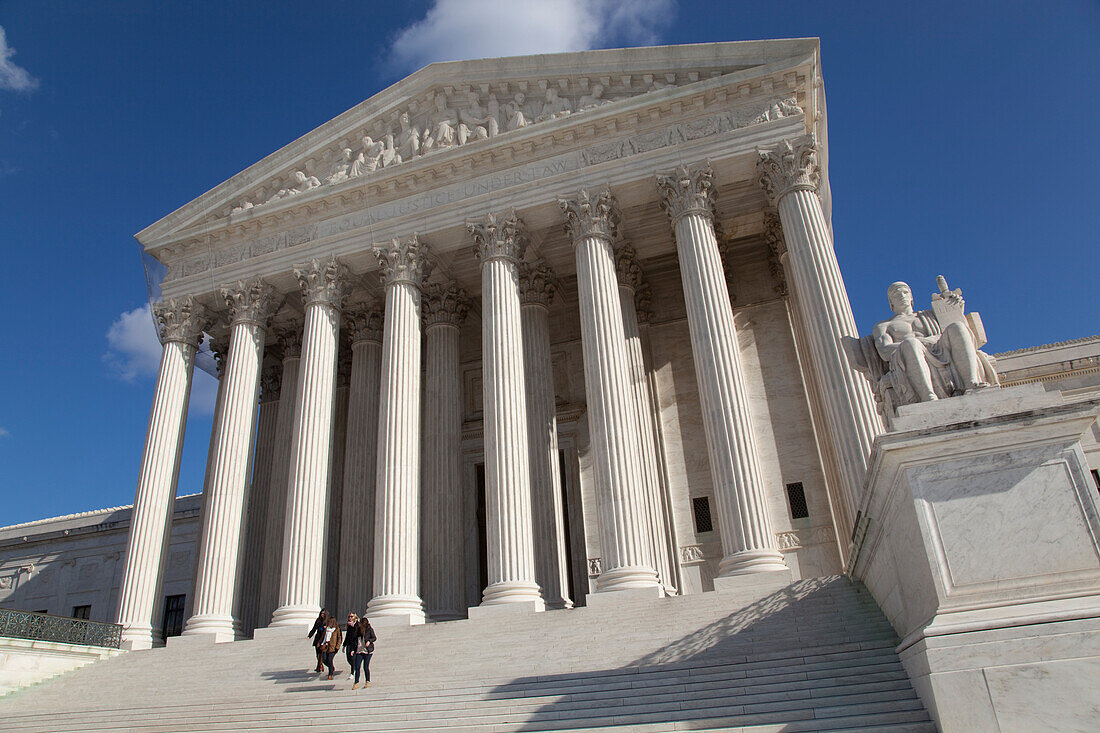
{"x": 921, "y": 356}
{"x": 454, "y": 118}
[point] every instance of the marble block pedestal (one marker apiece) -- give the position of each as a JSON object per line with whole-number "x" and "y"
{"x": 978, "y": 537}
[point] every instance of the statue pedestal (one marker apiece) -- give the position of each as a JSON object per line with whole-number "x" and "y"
{"x": 978, "y": 536}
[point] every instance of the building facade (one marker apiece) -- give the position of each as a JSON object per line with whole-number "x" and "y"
{"x": 509, "y": 334}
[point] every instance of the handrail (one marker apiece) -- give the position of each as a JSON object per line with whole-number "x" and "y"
{"x": 48, "y": 627}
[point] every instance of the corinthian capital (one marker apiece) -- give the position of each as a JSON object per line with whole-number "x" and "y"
{"x": 365, "y": 323}
{"x": 250, "y": 301}
{"x": 506, "y": 238}
{"x": 324, "y": 281}
{"x": 403, "y": 261}
{"x": 591, "y": 215}
{"x": 688, "y": 191}
{"x": 290, "y": 340}
{"x": 537, "y": 284}
{"x": 627, "y": 270}
{"x": 180, "y": 319}
{"x": 271, "y": 381}
{"x": 447, "y": 304}
{"x": 792, "y": 166}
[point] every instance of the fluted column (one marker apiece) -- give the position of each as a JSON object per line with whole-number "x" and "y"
{"x": 259, "y": 499}
{"x": 511, "y": 560}
{"x": 790, "y": 176}
{"x": 748, "y": 542}
{"x": 397, "y": 481}
{"x": 301, "y": 580}
{"x": 181, "y": 325}
{"x": 629, "y": 274}
{"x": 360, "y": 457}
{"x": 330, "y": 595}
{"x": 443, "y": 564}
{"x": 537, "y": 287}
{"x": 216, "y": 607}
{"x": 290, "y": 342}
{"x": 592, "y": 222}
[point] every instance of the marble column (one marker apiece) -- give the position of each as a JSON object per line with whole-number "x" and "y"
{"x": 259, "y": 498}
{"x": 790, "y": 176}
{"x": 330, "y": 595}
{"x": 592, "y": 222}
{"x": 181, "y": 323}
{"x": 511, "y": 557}
{"x": 537, "y": 287}
{"x": 216, "y": 606}
{"x": 289, "y": 337}
{"x": 397, "y": 481}
{"x": 443, "y": 565}
{"x": 629, "y": 274}
{"x": 748, "y": 542}
{"x": 364, "y": 325}
{"x": 324, "y": 283}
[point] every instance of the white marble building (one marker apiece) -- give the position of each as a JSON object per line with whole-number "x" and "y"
{"x": 510, "y": 333}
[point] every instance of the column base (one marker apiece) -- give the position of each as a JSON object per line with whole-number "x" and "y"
{"x": 135, "y": 638}
{"x": 511, "y": 591}
{"x": 396, "y": 610}
{"x": 303, "y": 615}
{"x": 216, "y": 624}
{"x": 752, "y": 561}
{"x": 627, "y": 578}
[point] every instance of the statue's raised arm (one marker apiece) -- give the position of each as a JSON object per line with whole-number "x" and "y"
{"x": 919, "y": 356}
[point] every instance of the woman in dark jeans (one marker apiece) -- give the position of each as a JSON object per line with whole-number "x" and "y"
{"x": 364, "y": 649}
{"x": 330, "y": 644}
{"x": 317, "y": 633}
{"x": 351, "y": 636}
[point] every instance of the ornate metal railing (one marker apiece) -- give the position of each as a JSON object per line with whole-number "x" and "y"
{"x": 47, "y": 627}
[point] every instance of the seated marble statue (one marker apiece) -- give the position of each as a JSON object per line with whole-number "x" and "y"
{"x": 919, "y": 356}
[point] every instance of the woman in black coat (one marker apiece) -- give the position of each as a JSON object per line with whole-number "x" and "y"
{"x": 317, "y": 633}
{"x": 351, "y": 637}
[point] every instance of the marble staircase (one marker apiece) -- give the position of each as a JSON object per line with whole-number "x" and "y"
{"x": 815, "y": 655}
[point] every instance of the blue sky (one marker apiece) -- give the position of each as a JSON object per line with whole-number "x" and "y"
{"x": 962, "y": 142}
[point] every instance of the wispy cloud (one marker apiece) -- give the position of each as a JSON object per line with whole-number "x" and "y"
{"x": 463, "y": 29}
{"x": 13, "y": 76}
{"x": 134, "y": 351}
{"x": 4, "y": 433}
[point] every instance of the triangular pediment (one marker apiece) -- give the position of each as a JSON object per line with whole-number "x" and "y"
{"x": 450, "y": 106}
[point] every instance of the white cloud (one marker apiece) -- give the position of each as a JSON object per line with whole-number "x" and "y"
{"x": 464, "y": 29}
{"x": 13, "y": 76}
{"x": 4, "y": 433}
{"x": 134, "y": 350}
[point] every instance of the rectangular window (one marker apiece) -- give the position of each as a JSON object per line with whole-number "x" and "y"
{"x": 796, "y": 497}
{"x": 82, "y": 612}
{"x": 700, "y": 507}
{"x": 173, "y": 615}
{"x": 1096, "y": 478}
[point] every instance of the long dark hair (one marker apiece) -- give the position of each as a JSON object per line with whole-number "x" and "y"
{"x": 364, "y": 625}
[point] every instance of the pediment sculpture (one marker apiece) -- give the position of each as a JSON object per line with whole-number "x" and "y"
{"x": 921, "y": 356}
{"x": 450, "y": 117}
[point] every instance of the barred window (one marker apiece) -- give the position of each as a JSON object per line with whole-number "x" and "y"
{"x": 82, "y": 612}
{"x": 796, "y": 497}
{"x": 173, "y": 615}
{"x": 700, "y": 507}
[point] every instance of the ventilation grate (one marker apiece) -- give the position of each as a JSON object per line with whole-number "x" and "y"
{"x": 796, "y": 497}
{"x": 700, "y": 507}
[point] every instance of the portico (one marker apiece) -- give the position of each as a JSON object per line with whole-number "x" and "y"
{"x": 514, "y": 433}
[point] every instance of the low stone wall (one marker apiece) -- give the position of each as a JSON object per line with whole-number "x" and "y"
{"x": 25, "y": 662}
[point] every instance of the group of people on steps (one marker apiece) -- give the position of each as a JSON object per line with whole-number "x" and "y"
{"x": 357, "y": 641}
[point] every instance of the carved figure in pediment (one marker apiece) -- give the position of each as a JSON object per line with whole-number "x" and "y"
{"x": 339, "y": 170}
{"x": 408, "y": 139}
{"x": 445, "y": 130}
{"x": 515, "y": 112}
{"x": 369, "y": 158}
{"x": 259, "y": 197}
{"x": 483, "y": 121}
{"x": 554, "y": 106}
{"x": 299, "y": 183}
{"x": 779, "y": 109}
{"x": 919, "y": 356}
{"x": 389, "y": 153}
{"x": 594, "y": 98}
